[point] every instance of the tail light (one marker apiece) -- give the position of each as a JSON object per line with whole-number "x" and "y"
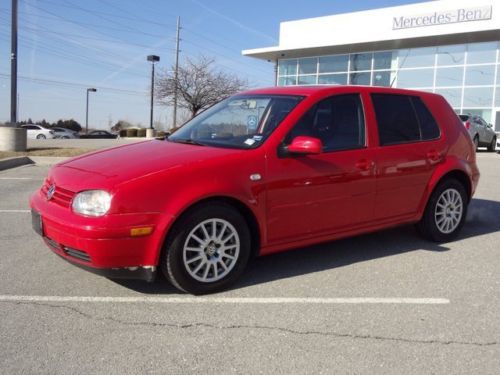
{"x": 467, "y": 125}
{"x": 51, "y": 131}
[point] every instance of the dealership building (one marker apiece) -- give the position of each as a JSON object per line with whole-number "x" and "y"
{"x": 450, "y": 47}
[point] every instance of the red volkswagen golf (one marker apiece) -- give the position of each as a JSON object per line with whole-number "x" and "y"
{"x": 263, "y": 171}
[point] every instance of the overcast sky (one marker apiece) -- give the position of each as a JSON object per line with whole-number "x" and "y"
{"x": 69, "y": 45}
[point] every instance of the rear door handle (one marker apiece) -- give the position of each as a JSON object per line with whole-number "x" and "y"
{"x": 363, "y": 164}
{"x": 434, "y": 156}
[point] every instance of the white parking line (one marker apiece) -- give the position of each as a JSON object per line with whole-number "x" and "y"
{"x": 14, "y": 211}
{"x": 20, "y": 178}
{"x": 227, "y": 300}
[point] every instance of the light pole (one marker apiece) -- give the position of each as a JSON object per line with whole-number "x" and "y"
{"x": 153, "y": 59}
{"x": 87, "y": 110}
{"x": 13, "y": 66}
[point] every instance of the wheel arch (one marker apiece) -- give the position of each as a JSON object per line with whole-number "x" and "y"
{"x": 247, "y": 214}
{"x": 455, "y": 173}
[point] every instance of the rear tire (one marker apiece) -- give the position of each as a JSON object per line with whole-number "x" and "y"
{"x": 493, "y": 145}
{"x": 476, "y": 143}
{"x": 207, "y": 249}
{"x": 445, "y": 212}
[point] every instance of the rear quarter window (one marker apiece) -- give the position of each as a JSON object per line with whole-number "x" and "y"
{"x": 429, "y": 129}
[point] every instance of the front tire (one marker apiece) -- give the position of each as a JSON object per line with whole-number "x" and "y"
{"x": 41, "y": 136}
{"x": 445, "y": 212}
{"x": 492, "y": 146}
{"x": 207, "y": 250}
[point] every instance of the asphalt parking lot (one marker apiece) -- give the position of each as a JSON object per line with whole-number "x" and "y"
{"x": 384, "y": 303}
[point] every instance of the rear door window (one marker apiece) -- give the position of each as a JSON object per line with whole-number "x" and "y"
{"x": 397, "y": 121}
{"x": 403, "y": 119}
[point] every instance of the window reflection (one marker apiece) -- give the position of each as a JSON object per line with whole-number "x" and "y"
{"x": 287, "y": 81}
{"x": 417, "y": 57}
{"x": 384, "y": 60}
{"x": 451, "y": 55}
{"x": 480, "y": 75}
{"x": 478, "y": 96}
{"x": 479, "y": 53}
{"x": 287, "y": 67}
{"x": 383, "y": 78}
{"x": 415, "y": 78}
{"x": 332, "y": 79}
{"x": 449, "y": 76}
{"x": 307, "y": 80}
{"x": 361, "y": 61}
{"x": 333, "y": 64}
{"x": 453, "y": 96}
{"x": 308, "y": 66}
{"x": 359, "y": 78}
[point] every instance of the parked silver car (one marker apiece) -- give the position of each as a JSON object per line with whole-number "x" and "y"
{"x": 480, "y": 131}
{"x": 64, "y": 133}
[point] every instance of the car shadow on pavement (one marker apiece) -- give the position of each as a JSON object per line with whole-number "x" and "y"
{"x": 481, "y": 219}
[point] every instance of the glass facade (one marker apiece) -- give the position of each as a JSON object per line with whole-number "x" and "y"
{"x": 467, "y": 75}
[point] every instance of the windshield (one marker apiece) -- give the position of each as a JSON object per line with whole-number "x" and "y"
{"x": 237, "y": 122}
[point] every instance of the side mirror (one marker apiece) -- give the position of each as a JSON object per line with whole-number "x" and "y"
{"x": 305, "y": 146}
{"x": 490, "y": 125}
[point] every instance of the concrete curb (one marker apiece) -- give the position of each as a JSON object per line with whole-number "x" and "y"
{"x": 48, "y": 160}
{"x": 18, "y": 161}
{"x": 14, "y": 162}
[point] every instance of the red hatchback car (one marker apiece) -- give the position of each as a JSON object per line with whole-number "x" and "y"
{"x": 263, "y": 171}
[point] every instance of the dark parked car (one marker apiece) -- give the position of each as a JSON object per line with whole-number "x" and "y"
{"x": 481, "y": 132}
{"x": 99, "y": 134}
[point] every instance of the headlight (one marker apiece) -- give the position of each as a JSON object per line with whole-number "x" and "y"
{"x": 92, "y": 202}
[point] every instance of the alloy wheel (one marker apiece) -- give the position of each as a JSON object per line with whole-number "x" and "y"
{"x": 449, "y": 211}
{"x": 211, "y": 250}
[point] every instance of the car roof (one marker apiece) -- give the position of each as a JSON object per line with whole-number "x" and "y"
{"x": 310, "y": 90}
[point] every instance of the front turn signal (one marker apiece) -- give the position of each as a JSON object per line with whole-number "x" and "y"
{"x": 143, "y": 231}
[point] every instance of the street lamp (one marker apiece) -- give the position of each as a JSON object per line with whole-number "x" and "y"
{"x": 153, "y": 59}
{"x": 87, "y": 111}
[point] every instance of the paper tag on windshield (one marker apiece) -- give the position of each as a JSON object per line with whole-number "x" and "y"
{"x": 249, "y": 141}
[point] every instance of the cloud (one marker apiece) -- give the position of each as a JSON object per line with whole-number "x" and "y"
{"x": 235, "y": 22}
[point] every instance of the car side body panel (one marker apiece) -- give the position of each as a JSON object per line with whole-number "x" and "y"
{"x": 295, "y": 200}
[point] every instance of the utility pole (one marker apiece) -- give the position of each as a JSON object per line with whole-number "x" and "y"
{"x": 13, "y": 66}
{"x": 176, "y": 71}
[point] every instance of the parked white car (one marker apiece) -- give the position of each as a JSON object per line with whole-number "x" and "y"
{"x": 38, "y": 132}
{"x": 64, "y": 133}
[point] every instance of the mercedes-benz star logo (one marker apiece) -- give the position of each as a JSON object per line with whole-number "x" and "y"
{"x": 51, "y": 191}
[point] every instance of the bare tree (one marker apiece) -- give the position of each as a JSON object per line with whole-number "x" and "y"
{"x": 199, "y": 85}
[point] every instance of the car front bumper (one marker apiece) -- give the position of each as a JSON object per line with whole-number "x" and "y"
{"x": 101, "y": 245}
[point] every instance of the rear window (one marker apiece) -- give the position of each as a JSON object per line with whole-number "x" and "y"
{"x": 403, "y": 119}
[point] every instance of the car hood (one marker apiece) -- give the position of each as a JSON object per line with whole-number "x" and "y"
{"x": 107, "y": 169}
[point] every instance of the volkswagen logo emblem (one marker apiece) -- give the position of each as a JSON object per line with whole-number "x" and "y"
{"x": 51, "y": 191}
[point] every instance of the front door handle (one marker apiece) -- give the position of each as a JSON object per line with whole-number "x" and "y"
{"x": 363, "y": 164}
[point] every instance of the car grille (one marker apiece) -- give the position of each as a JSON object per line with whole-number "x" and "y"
{"x": 61, "y": 196}
{"x": 78, "y": 254}
{"x": 69, "y": 251}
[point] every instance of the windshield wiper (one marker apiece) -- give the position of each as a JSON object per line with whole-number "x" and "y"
{"x": 187, "y": 141}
